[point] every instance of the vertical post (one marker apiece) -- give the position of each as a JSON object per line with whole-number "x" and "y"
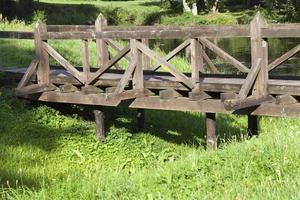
{"x": 145, "y": 58}
{"x": 43, "y": 70}
{"x": 140, "y": 119}
{"x": 259, "y": 50}
{"x": 252, "y": 125}
{"x": 85, "y": 60}
{"x": 138, "y": 76}
{"x": 101, "y": 46}
{"x": 211, "y": 137}
{"x": 100, "y": 128}
{"x": 196, "y": 61}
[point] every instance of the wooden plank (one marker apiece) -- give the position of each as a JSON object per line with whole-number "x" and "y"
{"x": 127, "y": 74}
{"x": 235, "y": 104}
{"x": 180, "y": 76}
{"x": 130, "y": 94}
{"x": 284, "y": 57}
{"x": 16, "y": 35}
{"x": 221, "y": 53}
{"x": 196, "y": 61}
{"x": 168, "y": 94}
{"x": 286, "y": 99}
{"x": 85, "y": 61}
{"x": 70, "y": 68}
{"x": 101, "y": 46}
{"x": 249, "y": 81}
{"x": 145, "y": 59}
{"x": 108, "y": 65}
{"x": 100, "y": 127}
{"x": 29, "y": 72}
{"x": 43, "y": 67}
{"x": 33, "y": 89}
{"x": 211, "y": 136}
{"x": 281, "y": 31}
{"x": 174, "y": 52}
{"x": 66, "y": 28}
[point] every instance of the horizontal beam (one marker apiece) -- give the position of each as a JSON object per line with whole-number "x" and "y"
{"x": 16, "y": 35}
{"x": 281, "y": 31}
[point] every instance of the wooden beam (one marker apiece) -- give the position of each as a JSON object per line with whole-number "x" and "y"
{"x": 16, "y": 35}
{"x": 138, "y": 76}
{"x": 29, "y": 72}
{"x": 281, "y": 31}
{"x": 180, "y": 76}
{"x": 129, "y": 94}
{"x": 43, "y": 70}
{"x": 284, "y": 57}
{"x": 221, "y": 53}
{"x": 100, "y": 127}
{"x": 211, "y": 136}
{"x": 173, "y": 53}
{"x": 196, "y": 61}
{"x": 33, "y": 89}
{"x": 252, "y": 125}
{"x": 108, "y": 65}
{"x": 210, "y": 64}
{"x": 70, "y": 68}
{"x": 168, "y": 94}
{"x": 235, "y": 104}
{"x": 145, "y": 59}
{"x": 249, "y": 81}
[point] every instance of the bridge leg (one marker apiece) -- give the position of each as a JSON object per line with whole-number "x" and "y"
{"x": 140, "y": 119}
{"x": 100, "y": 128}
{"x": 211, "y": 137}
{"x": 252, "y": 125}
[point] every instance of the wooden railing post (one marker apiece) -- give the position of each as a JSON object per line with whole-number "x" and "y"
{"x": 259, "y": 49}
{"x": 43, "y": 70}
{"x": 85, "y": 61}
{"x": 196, "y": 61}
{"x": 138, "y": 77}
{"x": 145, "y": 58}
{"x": 101, "y": 46}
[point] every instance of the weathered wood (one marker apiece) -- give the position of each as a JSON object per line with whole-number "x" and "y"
{"x": 281, "y": 31}
{"x": 29, "y": 72}
{"x": 145, "y": 59}
{"x": 235, "y": 104}
{"x": 16, "y": 35}
{"x": 221, "y": 53}
{"x": 252, "y": 125}
{"x": 66, "y": 28}
{"x": 91, "y": 89}
{"x": 140, "y": 119}
{"x": 168, "y": 94}
{"x": 129, "y": 94}
{"x": 101, "y": 46}
{"x": 180, "y": 76}
{"x": 138, "y": 76}
{"x": 210, "y": 64}
{"x": 70, "y": 68}
{"x": 284, "y": 57}
{"x": 67, "y": 88}
{"x": 43, "y": 67}
{"x": 259, "y": 50}
{"x": 100, "y": 127}
{"x": 286, "y": 99}
{"x": 127, "y": 74}
{"x": 174, "y": 52}
{"x": 85, "y": 61}
{"x": 108, "y": 65}
{"x": 196, "y": 61}
{"x": 211, "y": 136}
{"x": 33, "y": 89}
{"x": 249, "y": 81}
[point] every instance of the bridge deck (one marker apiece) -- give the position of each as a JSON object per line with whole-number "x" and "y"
{"x": 157, "y": 81}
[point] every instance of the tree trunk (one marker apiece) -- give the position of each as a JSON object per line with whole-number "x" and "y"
{"x": 194, "y": 9}
{"x": 215, "y": 7}
{"x": 186, "y": 7}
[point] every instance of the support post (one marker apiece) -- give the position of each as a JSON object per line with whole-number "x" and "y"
{"x": 196, "y": 61}
{"x": 145, "y": 58}
{"x": 259, "y": 49}
{"x": 43, "y": 70}
{"x": 102, "y": 53}
{"x": 140, "y": 119}
{"x": 252, "y": 125}
{"x": 100, "y": 128}
{"x": 211, "y": 137}
{"x": 85, "y": 61}
{"x": 138, "y": 76}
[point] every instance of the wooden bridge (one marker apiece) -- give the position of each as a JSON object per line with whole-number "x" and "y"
{"x": 253, "y": 92}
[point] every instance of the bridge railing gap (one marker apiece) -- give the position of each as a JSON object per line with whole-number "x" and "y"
{"x": 141, "y": 85}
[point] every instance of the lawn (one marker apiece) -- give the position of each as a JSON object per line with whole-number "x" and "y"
{"x": 50, "y": 151}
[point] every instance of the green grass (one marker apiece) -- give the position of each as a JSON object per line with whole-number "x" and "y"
{"x": 51, "y": 152}
{"x": 49, "y": 155}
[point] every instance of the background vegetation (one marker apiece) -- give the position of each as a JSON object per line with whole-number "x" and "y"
{"x": 50, "y": 152}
